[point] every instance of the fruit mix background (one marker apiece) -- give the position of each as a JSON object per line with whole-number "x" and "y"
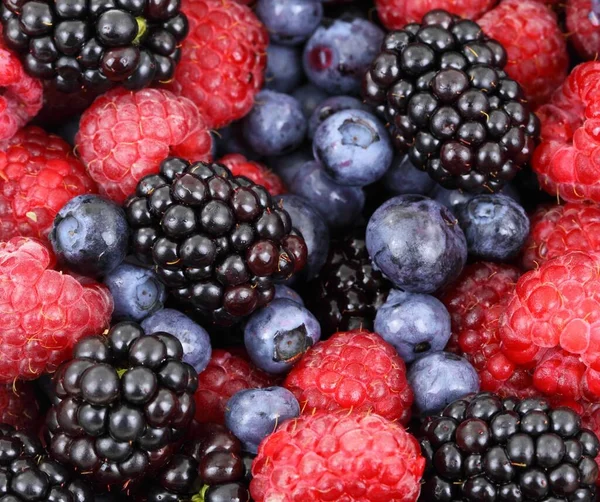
{"x": 299, "y": 250}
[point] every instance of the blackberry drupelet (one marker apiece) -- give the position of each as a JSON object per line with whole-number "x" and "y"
{"x": 124, "y": 403}
{"x": 96, "y": 44}
{"x": 216, "y": 240}
{"x": 210, "y": 466}
{"x": 482, "y": 448}
{"x": 26, "y": 473}
{"x": 348, "y": 291}
{"x": 450, "y": 105}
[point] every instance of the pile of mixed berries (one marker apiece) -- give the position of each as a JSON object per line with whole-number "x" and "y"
{"x": 299, "y": 251}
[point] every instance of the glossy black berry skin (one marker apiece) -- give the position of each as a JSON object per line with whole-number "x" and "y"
{"x": 26, "y": 473}
{"x": 124, "y": 402}
{"x": 482, "y": 448}
{"x": 216, "y": 240}
{"x": 96, "y": 44}
{"x": 450, "y": 105}
{"x": 348, "y": 291}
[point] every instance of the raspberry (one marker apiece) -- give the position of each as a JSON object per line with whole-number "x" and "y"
{"x": 565, "y": 160}
{"x": 20, "y": 94}
{"x": 223, "y": 59}
{"x": 338, "y": 456}
{"x": 19, "y": 406}
{"x": 353, "y": 370}
{"x": 557, "y": 230}
{"x": 583, "y": 24}
{"x": 394, "y": 14}
{"x": 551, "y": 319}
{"x": 124, "y": 135}
{"x": 225, "y": 375}
{"x": 475, "y": 303}
{"x": 254, "y": 171}
{"x": 43, "y": 312}
{"x": 38, "y": 175}
{"x": 537, "y": 51}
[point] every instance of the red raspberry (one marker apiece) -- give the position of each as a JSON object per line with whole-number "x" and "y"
{"x": 553, "y": 320}
{"x": 353, "y": 370}
{"x": 475, "y": 303}
{"x": 21, "y": 96}
{"x": 558, "y": 230}
{"x": 583, "y": 27}
{"x": 565, "y": 160}
{"x": 223, "y": 59}
{"x": 38, "y": 175}
{"x": 395, "y": 14}
{"x": 125, "y": 135}
{"x": 43, "y": 312}
{"x": 254, "y": 171}
{"x": 225, "y": 375}
{"x": 341, "y": 457}
{"x": 536, "y": 48}
{"x": 19, "y": 406}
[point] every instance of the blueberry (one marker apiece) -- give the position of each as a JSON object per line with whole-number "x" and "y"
{"x": 137, "y": 292}
{"x": 309, "y": 96}
{"x": 415, "y": 324}
{"x": 290, "y": 22}
{"x": 354, "y": 147}
{"x": 287, "y": 166}
{"x": 496, "y": 227}
{"x": 404, "y": 178}
{"x": 453, "y": 198}
{"x": 277, "y": 335}
{"x": 416, "y": 243}
{"x": 275, "y": 125}
{"x": 332, "y": 105}
{"x": 193, "y": 337}
{"x": 339, "y": 205}
{"x": 312, "y": 227}
{"x": 337, "y": 56}
{"x": 253, "y": 414}
{"x": 230, "y": 139}
{"x": 282, "y": 291}
{"x": 440, "y": 378}
{"x": 90, "y": 235}
{"x": 284, "y": 68}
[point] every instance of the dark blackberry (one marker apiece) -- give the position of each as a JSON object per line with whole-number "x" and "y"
{"x": 26, "y": 473}
{"x": 216, "y": 240}
{"x": 125, "y": 401}
{"x": 450, "y": 105}
{"x": 482, "y": 448}
{"x": 96, "y": 44}
{"x": 209, "y": 466}
{"x": 348, "y": 291}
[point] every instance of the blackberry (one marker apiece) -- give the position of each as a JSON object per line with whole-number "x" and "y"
{"x": 26, "y": 473}
{"x": 124, "y": 403}
{"x": 96, "y": 44}
{"x": 442, "y": 87}
{"x": 482, "y": 448}
{"x": 210, "y": 466}
{"x": 348, "y": 291}
{"x": 216, "y": 240}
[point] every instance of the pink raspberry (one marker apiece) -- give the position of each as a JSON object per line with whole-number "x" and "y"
{"x": 582, "y": 24}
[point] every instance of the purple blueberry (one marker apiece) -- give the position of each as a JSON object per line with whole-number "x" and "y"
{"x": 332, "y": 105}
{"x": 137, "y": 292}
{"x": 440, "y": 378}
{"x": 312, "y": 227}
{"x": 276, "y": 336}
{"x": 230, "y": 139}
{"x": 404, "y": 178}
{"x": 337, "y": 55}
{"x": 415, "y": 324}
{"x": 416, "y": 243}
{"x": 275, "y": 125}
{"x": 290, "y": 22}
{"x": 287, "y": 166}
{"x": 339, "y": 205}
{"x": 253, "y": 414}
{"x": 90, "y": 235}
{"x": 354, "y": 147}
{"x": 284, "y": 68}
{"x": 496, "y": 227}
{"x": 285, "y": 292}
{"x": 453, "y": 198}
{"x": 193, "y": 337}
{"x": 309, "y": 96}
